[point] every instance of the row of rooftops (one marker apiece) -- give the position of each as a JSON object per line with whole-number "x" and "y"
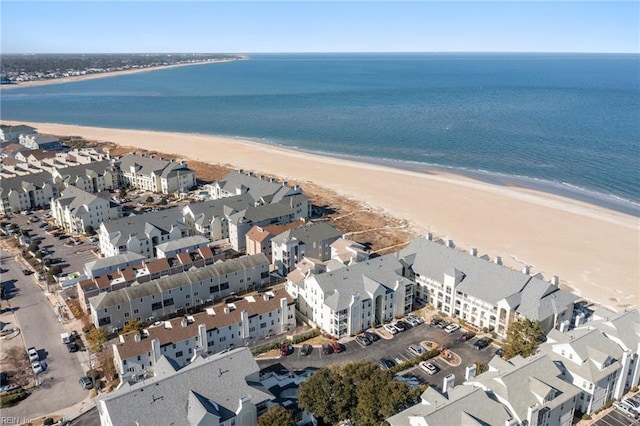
{"x": 146, "y": 267}
{"x": 216, "y": 317}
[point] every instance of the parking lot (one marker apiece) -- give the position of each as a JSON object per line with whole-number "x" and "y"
{"x": 615, "y": 417}
{"x": 396, "y": 349}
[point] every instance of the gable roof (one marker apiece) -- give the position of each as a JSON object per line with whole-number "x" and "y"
{"x": 308, "y": 234}
{"x": 220, "y": 381}
{"x": 147, "y": 165}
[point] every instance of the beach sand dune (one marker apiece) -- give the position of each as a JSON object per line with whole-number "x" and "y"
{"x": 593, "y": 250}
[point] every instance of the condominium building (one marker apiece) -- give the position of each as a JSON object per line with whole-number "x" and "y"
{"x": 177, "y": 293}
{"x": 141, "y": 233}
{"x": 12, "y": 133}
{"x": 26, "y": 192}
{"x": 312, "y": 240}
{"x": 353, "y": 298}
{"x": 211, "y": 218}
{"x": 222, "y": 390}
{"x": 258, "y": 238}
{"x": 39, "y": 141}
{"x": 77, "y": 210}
{"x": 93, "y": 177}
{"x": 260, "y": 187}
{"x": 223, "y": 326}
{"x": 155, "y": 174}
{"x": 481, "y": 292}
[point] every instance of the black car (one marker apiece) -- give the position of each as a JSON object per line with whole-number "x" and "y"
{"x": 305, "y": 350}
{"x": 72, "y": 347}
{"x": 482, "y": 343}
{"x": 436, "y": 321}
{"x": 467, "y": 335}
{"x": 373, "y": 337}
{"x": 27, "y": 271}
{"x": 386, "y": 363}
{"x": 327, "y": 349}
{"x": 400, "y": 326}
{"x": 405, "y": 324}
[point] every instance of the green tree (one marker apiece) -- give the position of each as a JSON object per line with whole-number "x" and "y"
{"x": 133, "y": 325}
{"x": 123, "y": 192}
{"x": 163, "y": 201}
{"x": 89, "y": 230}
{"x": 523, "y": 338}
{"x": 277, "y": 415}
{"x": 360, "y": 392}
{"x": 33, "y": 246}
{"x": 481, "y": 367}
{"x": 96, "y": 337}
{"x": 149, "y": 199}
{"x": 54, "y": 271}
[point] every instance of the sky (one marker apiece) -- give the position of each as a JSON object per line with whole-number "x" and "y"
{"x": 314, "y": 26}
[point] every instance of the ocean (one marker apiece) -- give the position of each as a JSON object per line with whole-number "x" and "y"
{"x": 561, "y": 123}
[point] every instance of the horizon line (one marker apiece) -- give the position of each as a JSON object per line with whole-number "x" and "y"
{"x": 328, "y": 52}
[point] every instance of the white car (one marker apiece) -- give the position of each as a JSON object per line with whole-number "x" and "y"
{"x": 451, "y": 328}
{"x": 417, "y": 350}
{"x": 413, "y": 321}
{"x": 626, "y": 409}
{"x": 37, "y": 367}
{"x": 390, "y": 328}
{"x": 631, "y": 403}
{"x": 33, "y": 354}
{"x": 428, "y": 367}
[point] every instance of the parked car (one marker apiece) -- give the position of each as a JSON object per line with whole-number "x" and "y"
{"x": 86, "y": 382}
{"x": 37, "y": 367}
{"x": 305, "y": 350}
{"x": 633, "y": 403}
{"x": 390, "y": 328}
{"x": 33, "y": 354}
{"x": 626, "y": 409}
{"x": 386, "y": 363}
{"x": 400, "y": 326}
{"x": 467, "y": 335}
{"x": 373, "y": 337}
{"x": 452, "y": 328}
{"x": 72, "y": 347}
{"x": 27, "y": 271}
{"x": 93, "y": 239}
{"x": 327, "y": 349}
{"x": 285, "y": 349}
{"x": 417, "y": 350}
{"x": 443, "y": 324}
{"x": 428, "y": 367}
{"x": 363, "y": 340}
{"x": 437, "y": 321}
{"x": 337, "y": 347}
{"x": 482, "y": 343}
{"x": 412, "y": 321}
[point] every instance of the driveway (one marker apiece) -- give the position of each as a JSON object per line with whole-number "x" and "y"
{"x": 395, "y": 348}
{"x": 40, "y": 328}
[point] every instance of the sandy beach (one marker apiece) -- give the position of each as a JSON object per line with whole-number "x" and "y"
{"x": 594, "y": 251}
{"x": 102, "y": 75}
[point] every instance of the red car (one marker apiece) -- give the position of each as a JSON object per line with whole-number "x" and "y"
{"x": 285, "y": 349}
{"x": 336, "y": 347}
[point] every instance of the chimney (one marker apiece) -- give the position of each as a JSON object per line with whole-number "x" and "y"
{"x": 497, "y": 260}
{"x": 241, "y": 171}
{"x": 184, "y": 322}
{"x": 526, "y": 269}
{"x": 473, "y": 251}
{"x": 449, "y": 242}
{"x": 429, "y": 236}
{"x": 251, "y": 174}
{"x": 136, "y": 337}
{"x": 155, "y": 350}
{"x": 285, "y": 183}
{"x": 555, "y": 280}
{"x": 470, "y": 372}
{"x": 226, "y": 310}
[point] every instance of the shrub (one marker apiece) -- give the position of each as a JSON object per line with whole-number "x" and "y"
{"x": 48, "y": 421}
{"x": 93, "y": 374}
{"x": 303, "y": 337}
{"x": 266, "y": 348}
{"x": 13, "y": 397}
{"x": 585, "y": 416}
{"x": 634, "y": 389}
{"x": 414, "y": 361}
{"x": 485, "y": 330}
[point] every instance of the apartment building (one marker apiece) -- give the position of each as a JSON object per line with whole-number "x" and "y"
{"x": 182, "y": 245}
{"x": 141, "y": 233}
{"x": 93, "y": 177}
{"x": 39, "y": 141}
{"x": 347, "y": 251}
{"x": 260, "y": 187}
{"x": 12, "y": 133}
{"x": 155, "y": 174}
{"x": 258, "y": 238}
{"x": 105, "y": 265}
{"x": 26, "y": 192}
{"x": 312, "y": 240}
{"x": 211, "y": 218}
{"x": 353, "y": 298}
{"x": 76, "y": 210}
{"x": 222, "y": 390}
{"x": 481, "y": 292}
{"x": 223, "y": 326}
{"x": 171, "y": 294}
{"x": 600, "y": 357}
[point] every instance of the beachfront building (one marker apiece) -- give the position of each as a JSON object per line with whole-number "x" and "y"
{"x": 174, "y": 293}
{"x": 142, "y": 233}
{"x": 36, "y": 157}
{"x": 348, "y": 251}
{"x": 222, "y": 389}
{"x": 258, "y": 239}
{"x": 312, "y": 240}
{"x": 39, "y": 141}
{"x": 12, "y": 133}
{"x": 77, "y": 210}
{"x": 286, "y": 210}
{"x": 223, "y": 326}
{"x": 26, "y": 192}
{"x": 155, "y": 174}
{"x": 93, "y": 177}
{"x": 600, "y": 357}
{"x": 210, "y": 218}
{"x": 260, "y": 187}
{"x": 353, "y": 298}
{"x": 485, "y": 294}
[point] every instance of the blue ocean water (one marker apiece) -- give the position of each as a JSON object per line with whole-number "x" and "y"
{"x": 562, "y": 123}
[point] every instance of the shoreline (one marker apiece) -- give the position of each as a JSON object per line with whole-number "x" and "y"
{"x": 46, "y": 82}
{"x": 594, "y": 250}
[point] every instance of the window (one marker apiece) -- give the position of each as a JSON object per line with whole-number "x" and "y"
{"x": 135, "y": 311}
{"x": 178, "y": 354}
{"x": 155, "y": 306}
{"x": 126, "y": 314}
{"x": 263, "y": 325}
{"x": 168, "y": 302}
{"x": 214, "y": 289}
{"x": 224, "y": 286}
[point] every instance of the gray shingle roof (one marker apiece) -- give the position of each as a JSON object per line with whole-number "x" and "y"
{"x": 260, "y": 213}
{"x": 309, "y": 233}
{"x": 146, "y": 165}
{"x": 205, "y": 211}
{"x": 19, "y": 182}
{"x": 362, "y": 278}
{"x": 181, "y": 243}
{"x": 163, "y": 220}
{"x": 211, "y": 386}
{"x": 77, "y": 198}
{"x": 112, "y": 261}
{"x": 95, "y": 167}
{"x": 258, "y": 188}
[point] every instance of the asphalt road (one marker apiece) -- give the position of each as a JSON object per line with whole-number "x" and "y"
{"x": 40, "y": 328}
{"x": 396, "y": 349}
